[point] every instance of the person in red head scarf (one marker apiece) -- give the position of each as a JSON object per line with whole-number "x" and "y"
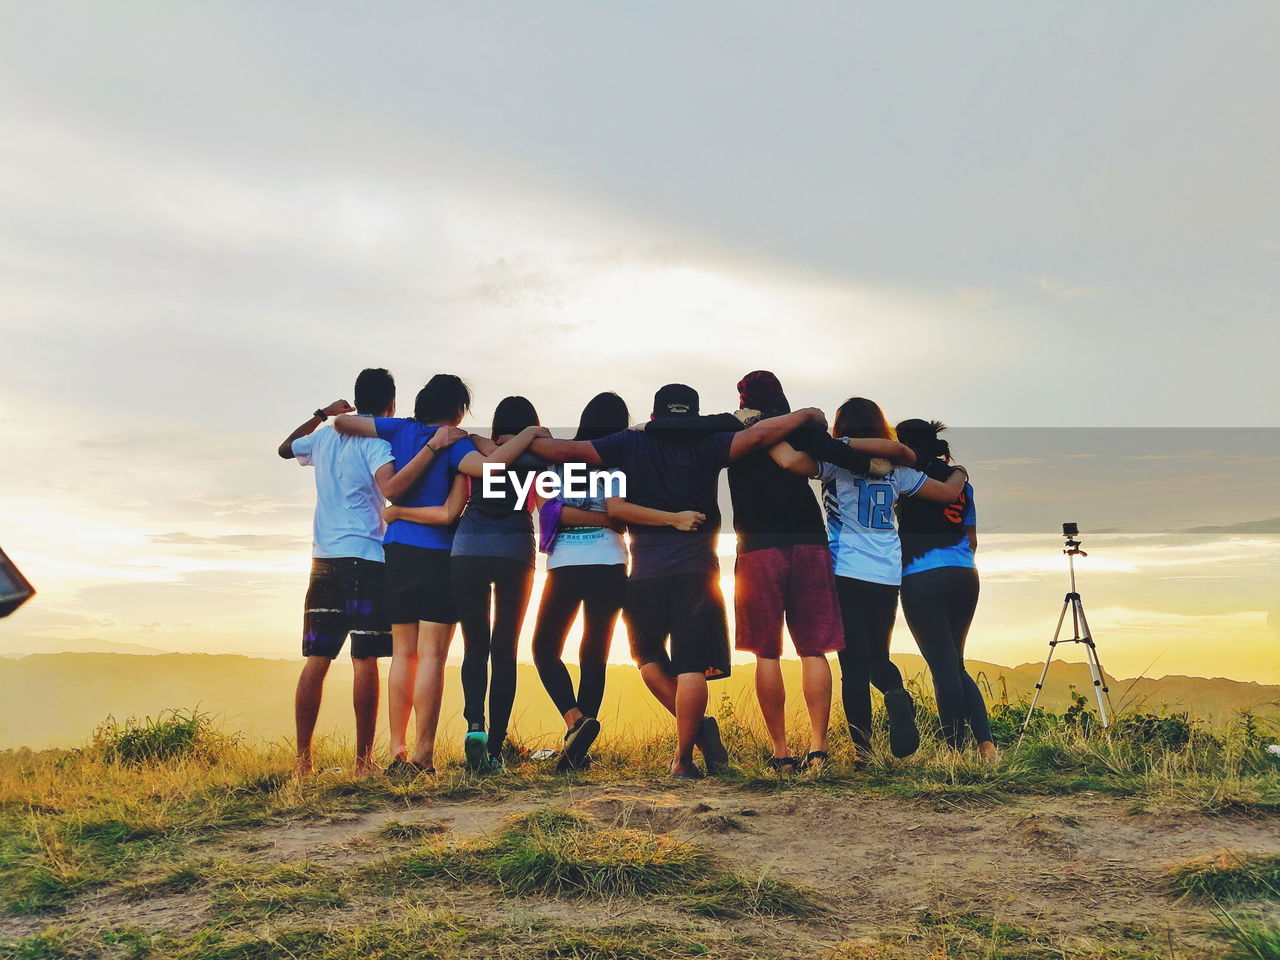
{"x": 784, "y": 569}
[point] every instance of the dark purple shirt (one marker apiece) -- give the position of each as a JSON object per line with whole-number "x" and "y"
{"x": 667, "y": 473}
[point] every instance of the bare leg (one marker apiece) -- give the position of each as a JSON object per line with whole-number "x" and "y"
{"x": 404, "y": 670}
{"x": 306, "y": 707}
{"x": 988, "y": 751}
{"x": 660, "y": 684}
{"x": 571, "y": 717}
{"x": 816, "y": 672}
{"x": 433, "y": 650}
{"x": 691, "y": 710}
{"x": 771, "y": 691}
{"x": 364, "y": 697}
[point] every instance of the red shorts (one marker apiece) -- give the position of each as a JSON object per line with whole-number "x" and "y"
{"x": 796, "y": 582}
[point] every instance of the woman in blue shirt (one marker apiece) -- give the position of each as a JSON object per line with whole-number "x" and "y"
{"x": 940, "y": 587}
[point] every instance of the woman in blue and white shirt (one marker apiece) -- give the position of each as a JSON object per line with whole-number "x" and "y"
{"x": 863, "y": 537}
{"x": 587, "y": 569}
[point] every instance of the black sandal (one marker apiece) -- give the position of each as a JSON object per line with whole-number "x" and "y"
{"x": 407, "y": 770}
{"x": 784, "y": 764}
{"x": 818, "y": 755}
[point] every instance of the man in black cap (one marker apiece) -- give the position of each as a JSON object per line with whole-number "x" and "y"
{"x": 673, "y": 591}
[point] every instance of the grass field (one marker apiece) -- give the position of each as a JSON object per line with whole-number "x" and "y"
{"x": 172, "y": 839}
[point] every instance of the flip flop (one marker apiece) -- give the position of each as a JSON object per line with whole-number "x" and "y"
{"x": 816, "y": 755}
{"x": 784, "y": 764}
{"x": 697, "y": 775}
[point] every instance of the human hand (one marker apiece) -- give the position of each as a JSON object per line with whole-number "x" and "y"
{"x": 815, "y": 416}
{"x": 337, "y": 408}
{"x": 688, "y": 520}
{"x": 880, "y": 467}
{"x": 391, "y": 513}
{"x": 446, "y": 437}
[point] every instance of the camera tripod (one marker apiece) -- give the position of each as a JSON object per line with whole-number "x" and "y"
{"x": 1080, "y": 634}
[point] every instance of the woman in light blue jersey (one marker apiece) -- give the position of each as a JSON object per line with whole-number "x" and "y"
{"x": 864, "y": 545}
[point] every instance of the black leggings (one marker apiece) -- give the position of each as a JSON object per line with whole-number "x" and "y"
{"x": 868, "y": 611}
{"x": 939, "y": 606}
{"x": 475, "y": 580}
{"x": 598, "y": 588}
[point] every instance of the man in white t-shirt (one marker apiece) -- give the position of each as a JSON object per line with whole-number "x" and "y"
{"x": 347, "y": 590}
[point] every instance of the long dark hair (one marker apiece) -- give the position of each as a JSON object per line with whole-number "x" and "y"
{"x": 860, "y": 417}
{"x": 605, "y": 413}
{"x": 922, "y": 524}
{"x": 445, "y": 399}
{"x": 922, "y": 437}
{"x": 511, "y": 415}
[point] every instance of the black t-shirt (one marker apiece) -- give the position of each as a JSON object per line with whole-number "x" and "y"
{"x": 670, "y": 474}
{"x": 773, "y": 507}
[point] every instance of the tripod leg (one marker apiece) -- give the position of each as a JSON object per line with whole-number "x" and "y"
{"x": 1100, "y": 689}
{"x": 1053, "y": 645}
{"x": 1091, "y": 656}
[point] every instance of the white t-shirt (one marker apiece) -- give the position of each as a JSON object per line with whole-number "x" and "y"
{"x": 348, "y": 520}
{"x": 861, "y": 524}
{"x": 579, "y": 546}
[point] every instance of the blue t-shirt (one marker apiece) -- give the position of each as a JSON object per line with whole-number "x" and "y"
{"x": 957, "y": 554}
{"x": 670, "y": 473}
{"x": 407, "y": 437}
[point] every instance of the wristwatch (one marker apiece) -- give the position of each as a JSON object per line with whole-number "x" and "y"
{"x": 320, "y": 413}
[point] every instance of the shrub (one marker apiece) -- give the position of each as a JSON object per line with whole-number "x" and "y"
{"x": 171, "y": 735}
{"x": 1228, "y": 876}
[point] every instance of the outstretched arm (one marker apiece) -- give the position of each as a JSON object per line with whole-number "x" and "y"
{"x": 505, "y": 454}
{"x": 805, "y": 448}
{"x": 407, "y": 476}
{"x": 944, "y": 492}
{"x": 792, "y": 460}
{"x": 443, "y": 515}
{"x": 766, "y": 433}
{"x": 621, "y": 509}
{"x": 565, "y": 451}
{"x": 577, "y": 517}
{"x": 899, "y": 453}
{"x": 332, "y": 410}
{"x": 355, "y": 426}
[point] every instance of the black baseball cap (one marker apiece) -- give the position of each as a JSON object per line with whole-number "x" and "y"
{"x": 675, "y": 400}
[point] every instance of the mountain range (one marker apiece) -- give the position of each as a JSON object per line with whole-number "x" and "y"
{"x": 57, "y": 700}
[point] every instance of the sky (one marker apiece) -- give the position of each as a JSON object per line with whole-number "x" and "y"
{"x": 1055, "y": 226}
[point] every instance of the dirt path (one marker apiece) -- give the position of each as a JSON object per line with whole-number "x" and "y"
{"x": 1070, "y": 867}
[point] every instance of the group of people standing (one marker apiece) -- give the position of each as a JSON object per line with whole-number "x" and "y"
{"x": 409, "y": 542}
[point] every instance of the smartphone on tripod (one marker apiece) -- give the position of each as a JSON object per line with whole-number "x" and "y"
{"x": 15, "y": 589}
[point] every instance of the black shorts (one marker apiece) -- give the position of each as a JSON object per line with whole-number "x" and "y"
{"x": 688, "y": 608}
{"x": 420, "y": 584}
{"x": 346, "y": 595}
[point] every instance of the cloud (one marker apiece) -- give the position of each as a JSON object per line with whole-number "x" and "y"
{"x": 1269, "y": 526}
{"x": 244, "y": 541}
{"x": 1061, "y": 290}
